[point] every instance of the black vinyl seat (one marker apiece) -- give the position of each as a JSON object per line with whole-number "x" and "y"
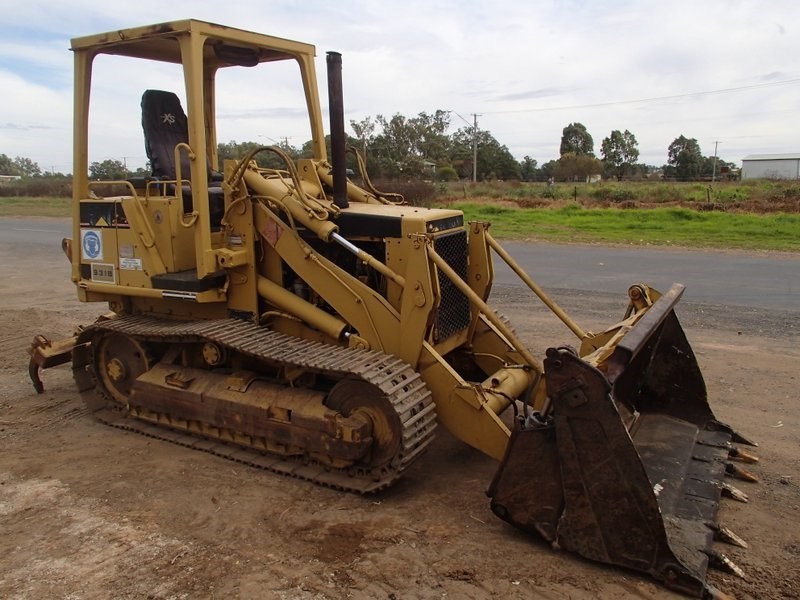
{"x": 165, "y": 126}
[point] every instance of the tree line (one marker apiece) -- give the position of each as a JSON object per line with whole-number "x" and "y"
{"x": 620, "y": 155}
{"x": 413, "y": 148}
{"x": 420, "y": 147}
{"x": 410, "y": 148}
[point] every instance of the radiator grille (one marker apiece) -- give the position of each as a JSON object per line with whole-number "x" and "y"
{"x": 453, "y": 315}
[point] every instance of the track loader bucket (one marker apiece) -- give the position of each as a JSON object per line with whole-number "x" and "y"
{"x": 626, "y": 466}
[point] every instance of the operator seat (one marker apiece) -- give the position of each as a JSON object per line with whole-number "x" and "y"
{"x": 165, "y": 126}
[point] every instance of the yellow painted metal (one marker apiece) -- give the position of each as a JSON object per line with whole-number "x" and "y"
{"x": 158, "y": 42}
{"x": 354, "y": 192}
{"x": 597, "y": 347}
{"x": 80, "y": 149}
{"x": 237, "y": 254}
{"x": 461, "y": 408}
{"x": 144, "y": 223}
{"x": 442, "y": 265}
{"x": 490, "y": 348}
{"x": 417, "y": 298}
{"x": 286, "y": 301}
{"x": 170, "y": 308}
{"x": 480, "y": 269}
{"x": 504, "y": 386}
{"x": 359, "y": 305}
{"x": 381, "y": 268}
{"x": 278, "y": 191}
{"x": 192, "y": 44}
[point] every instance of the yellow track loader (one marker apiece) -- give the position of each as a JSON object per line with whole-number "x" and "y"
{"x": 288, "y": 318}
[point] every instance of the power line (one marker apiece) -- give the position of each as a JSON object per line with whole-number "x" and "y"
{"x": 474, "y": 127}
{"x": 642, "y": 100}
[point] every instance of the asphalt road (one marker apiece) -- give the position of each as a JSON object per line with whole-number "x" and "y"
{"x": 730, "y": 278}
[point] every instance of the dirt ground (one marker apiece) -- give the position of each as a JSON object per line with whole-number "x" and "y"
{"x": 87, "y": 511}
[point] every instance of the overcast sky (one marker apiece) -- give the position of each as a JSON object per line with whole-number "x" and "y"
{"x": 717, "y": 71}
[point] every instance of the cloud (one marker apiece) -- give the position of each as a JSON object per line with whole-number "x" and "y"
{"x": 497, "y": 60}
{"x": 532, "y": 94}
{"x": 22, "y": 127}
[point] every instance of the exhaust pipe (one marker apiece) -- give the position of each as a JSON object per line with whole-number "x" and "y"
{"x": 338, "y": 139}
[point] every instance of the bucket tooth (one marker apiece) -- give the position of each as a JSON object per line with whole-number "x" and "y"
{"x": 721, "y": 562}
{"x": 735, "y": 453}
{"x": 732, "y": 492}
{"x": 740, "y": 473}
{"x": 725, "y": 535}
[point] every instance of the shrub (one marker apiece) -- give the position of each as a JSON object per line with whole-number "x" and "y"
{"x": 418, "y": 193}
{"x": 51, "y": 186}
{"x": 446, "y": 174}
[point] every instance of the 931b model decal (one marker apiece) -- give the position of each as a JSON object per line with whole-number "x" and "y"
{"x": 103, "y": 273}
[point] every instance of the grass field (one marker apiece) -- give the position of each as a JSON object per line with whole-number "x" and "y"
{"x": 750, "y": 195}
{"x": 654, "y": 225}
{"x": 32, "y": 206}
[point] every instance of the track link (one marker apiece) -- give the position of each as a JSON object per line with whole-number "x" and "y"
{"x": 402, "y": 385}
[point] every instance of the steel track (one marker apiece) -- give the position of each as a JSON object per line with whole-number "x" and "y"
{"x": 398, "y": 381}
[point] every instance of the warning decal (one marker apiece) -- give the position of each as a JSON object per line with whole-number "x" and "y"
{"x": 91, "y": 244}
{"x": 130, "y": 264}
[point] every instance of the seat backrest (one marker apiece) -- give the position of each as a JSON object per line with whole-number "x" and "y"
{"x": 165, "y": 126}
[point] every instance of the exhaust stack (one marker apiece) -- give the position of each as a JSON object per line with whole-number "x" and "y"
{"x": 338, "y": 140}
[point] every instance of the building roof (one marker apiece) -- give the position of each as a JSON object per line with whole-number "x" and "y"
{"x": 785, "y": 156}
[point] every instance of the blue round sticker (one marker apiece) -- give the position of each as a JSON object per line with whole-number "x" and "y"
{"x": 91, "y": 244}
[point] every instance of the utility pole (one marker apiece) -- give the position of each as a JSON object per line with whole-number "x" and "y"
{"x": 714, "y": 167}
{"x": 474, "y": 126}
{"x": 474, "y": 148}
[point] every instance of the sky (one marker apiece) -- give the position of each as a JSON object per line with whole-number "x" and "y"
{"x": 723, "y": 72}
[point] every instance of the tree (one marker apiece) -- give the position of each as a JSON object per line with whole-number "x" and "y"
{"x": 527, "y": 169}
{"x": 713, "y": 167}
{"x": 394, "y": 147}
{"x": 575, "y": 139}
{"x": 548, "y": 169}
{"x": 141, "y": 172}
{"x": 432, "y": 141}
{"x": 7, "y": 166}
{"x": 406, "y": 144}
{"x": 363, "y": 130}
{"x": 620, "y": 152}
{"x": 24, "y": 167}
{"x": 108, "y": 170}
{"x": 684, "y": 158}
{"x": 268, "y": 160}
{"x": 577, "y": 167}
{"x": 495, "y": 161}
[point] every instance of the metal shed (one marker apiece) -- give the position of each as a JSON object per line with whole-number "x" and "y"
{"x": 771, "y": 166}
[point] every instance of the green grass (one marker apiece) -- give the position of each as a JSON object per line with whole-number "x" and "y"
{"x": 656, "y": 226}
{"x": 35, "y": 207}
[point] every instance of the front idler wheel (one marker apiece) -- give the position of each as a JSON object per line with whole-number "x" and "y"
{"x": 119, "y": 361}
